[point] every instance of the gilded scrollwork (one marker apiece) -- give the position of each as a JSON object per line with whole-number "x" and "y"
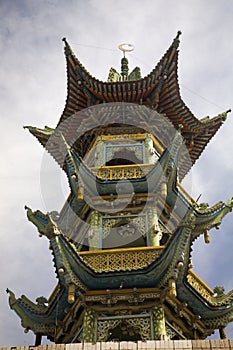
{"x": 173, "y": 330}
{"x": 122, "y": 260}
{"x": 121, "y": 172}
{"x": 140, "y": 325}
{"x": 170, "y": 333}
{"x": 88, "y": 326}
{"x": 159, "y": 321}
{"x": 103, "y": 328}
{"x": 200, "y": 287}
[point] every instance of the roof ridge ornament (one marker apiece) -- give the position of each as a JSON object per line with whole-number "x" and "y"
{"x": 176, "y": 41}
{"x": 114, "y": 76}
{"x": 223, "y": 115}
{"x": 68, "y": 50}
{"x": 124, "y": 61}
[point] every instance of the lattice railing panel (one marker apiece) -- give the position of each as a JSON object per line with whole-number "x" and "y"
{"x": 120, "y": 260}
{"x": 200, "y": 286}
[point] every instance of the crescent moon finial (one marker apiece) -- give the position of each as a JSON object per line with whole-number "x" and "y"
{"x": 126, "y": 47}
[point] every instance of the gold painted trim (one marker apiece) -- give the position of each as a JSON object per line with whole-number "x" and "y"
{"x": 121, "y": 250}
{"x": 200, "y": 287}
{"x": 118, "y": 172}
{"x": 122, "y": 166}
{"x": 158, "y": 145}
{"x": 199, "y": 280}
{"x": 122, "y": 291}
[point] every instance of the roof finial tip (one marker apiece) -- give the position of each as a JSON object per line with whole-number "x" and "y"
{"x": 176, "y": 41}
{"x": 64, "y": 41}
{"x": 67, "y": 48}
{"x": 223, "y": 115}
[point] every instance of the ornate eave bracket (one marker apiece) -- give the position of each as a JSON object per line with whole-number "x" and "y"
{"x": 62, "y": 254}
{"x": 181, "y": 256}
{"x": 33, "y": 316}
{"x": 44, "y": 222}
{"x": 220, "y": 117}
{"x": 207, "y": 217}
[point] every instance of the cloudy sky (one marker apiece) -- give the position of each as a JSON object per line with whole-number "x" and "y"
{"x": 33, "y": 92}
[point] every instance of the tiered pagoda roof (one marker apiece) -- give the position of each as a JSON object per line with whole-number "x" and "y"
{"x": 159, "y": 90}
{"x": 127, "y": 276}
{"x": 150, "y": 269}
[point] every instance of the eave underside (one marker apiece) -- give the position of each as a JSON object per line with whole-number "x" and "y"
{"x": 159, "y": 90}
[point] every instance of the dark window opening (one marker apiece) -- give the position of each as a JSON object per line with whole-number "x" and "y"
{"x": 124, "y": 157}
{"x": 124, "y": 235}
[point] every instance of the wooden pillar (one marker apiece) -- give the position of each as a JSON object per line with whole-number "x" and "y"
{"x": 88, "y": 334}
{"x": 155, "y": 233}
{"x": 38, "y": 339}
{"x": 222, "y": 333}
{"x": 94, "y": 234}
{"x": 150, "y": 152}
{"x": 99, "y": 154}
{"x": 159, "y": 322}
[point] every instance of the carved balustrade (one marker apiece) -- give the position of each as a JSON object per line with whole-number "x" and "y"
{"x": 200, "y": 286}
{"x": 127, "y": 259}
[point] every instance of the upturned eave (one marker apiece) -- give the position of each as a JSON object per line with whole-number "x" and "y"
{"x": 159, "y": 90}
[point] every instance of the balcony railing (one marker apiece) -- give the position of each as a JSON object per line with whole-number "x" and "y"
{"x": 200, "y": 286}
{"x": 126, "y": 259}
{"x": 129, "y": 259}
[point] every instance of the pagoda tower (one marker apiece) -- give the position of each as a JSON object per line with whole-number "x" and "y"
{"x": 122, "y": 242}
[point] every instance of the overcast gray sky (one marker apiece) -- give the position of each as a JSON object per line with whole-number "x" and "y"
{"x": 33, "y": 92}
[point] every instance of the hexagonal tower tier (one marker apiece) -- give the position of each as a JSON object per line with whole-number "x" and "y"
{"x": 122, "y": 242}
